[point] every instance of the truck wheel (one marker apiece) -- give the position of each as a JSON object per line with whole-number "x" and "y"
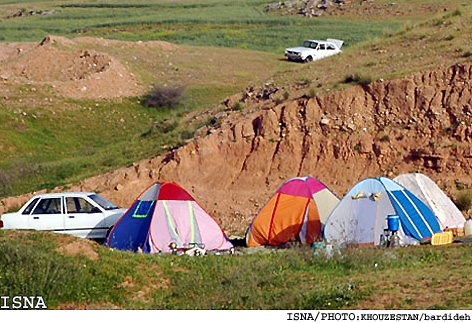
{"x": 308, "y": 59}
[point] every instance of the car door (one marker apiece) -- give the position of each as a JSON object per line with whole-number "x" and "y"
{"x": 330, "y": 49}
{"x": 321, "y": 51}
{"x": 83, "y": 218}
{"x": 47, "y": 215}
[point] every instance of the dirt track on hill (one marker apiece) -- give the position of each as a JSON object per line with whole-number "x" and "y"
{"x": 421, "y": 123}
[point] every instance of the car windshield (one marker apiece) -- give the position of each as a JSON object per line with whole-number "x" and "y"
{"x": 310, "y": 44}
{"x": 104, "y": 203}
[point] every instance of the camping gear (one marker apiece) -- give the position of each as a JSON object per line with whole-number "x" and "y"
{"x": 442, "y": 238}
{"x": 296, "y": 212}
{"x": 393, "y": 222}
{"x": 361, "y": 216}
{"x": 393, "y": 225}
{"x": 165, "y": 218}
{"x": 468, "y": 227}
{"x": 430, "y": 194}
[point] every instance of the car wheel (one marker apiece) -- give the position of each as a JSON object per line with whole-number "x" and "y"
{"x": 308, "y": 59}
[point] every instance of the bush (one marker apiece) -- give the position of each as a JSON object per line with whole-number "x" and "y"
{"x": 385, "y": 138}
{"x": 463, "y": 201}
{"x": 358, "y": 79}
{"x": 312, "y": 93}
{"x": 238, "y": 106}
{"x": 467, "y": 54}
{"x": 164, "y": 97}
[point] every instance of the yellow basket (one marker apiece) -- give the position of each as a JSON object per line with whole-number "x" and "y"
{"x": 442, "y": 238}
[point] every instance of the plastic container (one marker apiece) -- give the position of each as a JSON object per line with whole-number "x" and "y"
{"x": 393, "y": 222}
{"x": 468, "y": 227}
{"x": 442, "y": 238}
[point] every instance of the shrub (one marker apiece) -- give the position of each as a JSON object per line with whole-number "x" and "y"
{"x": 455, "y": 13}
{"x": 238, "y": 106}
{"x": 286, "y": 95}
{"x": 358, "y": 79}
{"x": 463, "y": 201}
{"x": 385, "y": 138}
{"x": 164, "y": 97}
{"x": 467, "y": 54}
{"x": 312, "y": 93}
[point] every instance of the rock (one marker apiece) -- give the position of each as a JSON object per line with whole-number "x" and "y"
{"x": 324, "y": 121}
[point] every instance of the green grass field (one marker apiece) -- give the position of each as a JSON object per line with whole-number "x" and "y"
{"x": 424, "y": 277}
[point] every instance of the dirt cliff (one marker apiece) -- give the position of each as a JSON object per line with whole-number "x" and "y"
{"x": 420, "y": 123}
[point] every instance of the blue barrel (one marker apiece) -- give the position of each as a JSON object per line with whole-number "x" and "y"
{"x": 393, "y": 222}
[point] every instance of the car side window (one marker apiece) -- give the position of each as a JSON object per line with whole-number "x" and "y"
{"x": 30, "y": 206}
{"x": 79, "y": 205}
{"x": 330, "y": 47}
{"x": 48, "y": 206}
{"x": 322, "y": 47}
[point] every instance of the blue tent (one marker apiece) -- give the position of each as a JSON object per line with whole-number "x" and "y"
{"x": 360, "y": 218}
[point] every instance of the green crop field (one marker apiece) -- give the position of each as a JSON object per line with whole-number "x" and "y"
{"x": 240, "y": 24}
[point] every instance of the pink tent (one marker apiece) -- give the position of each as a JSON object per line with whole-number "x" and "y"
{"x": 166, "y": 215}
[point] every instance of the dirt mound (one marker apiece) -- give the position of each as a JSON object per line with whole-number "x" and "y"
{"x": 50, "y": 64}
{"x": 74, "y": 73}
{"x": 12, "y": 50}
{"x": 75, "y": 247}
{"x": 422, "y": 123}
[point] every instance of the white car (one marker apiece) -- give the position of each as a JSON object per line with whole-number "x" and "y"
{"x": 312, "y": 50}
{"x": 82, "y": 214}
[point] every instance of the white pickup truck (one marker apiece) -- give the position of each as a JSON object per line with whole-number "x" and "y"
{"x": 312, "y": 50}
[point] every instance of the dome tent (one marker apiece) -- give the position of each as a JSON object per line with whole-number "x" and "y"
{"x": 430, "y": 194}
{"x": 360, "y": 218}
{"x": 296, "y": 211}
{"x": 166, "y": 214}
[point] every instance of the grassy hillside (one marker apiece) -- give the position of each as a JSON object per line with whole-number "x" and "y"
{"x": 48, "y": 140}
{"x": 438, "y": 42}
{"x": 72, "y": 273}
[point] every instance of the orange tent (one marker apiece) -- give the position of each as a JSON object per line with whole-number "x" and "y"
{"x": 296, "y": 212}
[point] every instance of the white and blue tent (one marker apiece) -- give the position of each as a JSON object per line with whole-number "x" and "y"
{"x": 427, "y": 191}
{"x": 360, "y": 218}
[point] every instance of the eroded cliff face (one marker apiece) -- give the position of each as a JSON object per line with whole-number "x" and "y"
{"x": 422, "y": 123}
